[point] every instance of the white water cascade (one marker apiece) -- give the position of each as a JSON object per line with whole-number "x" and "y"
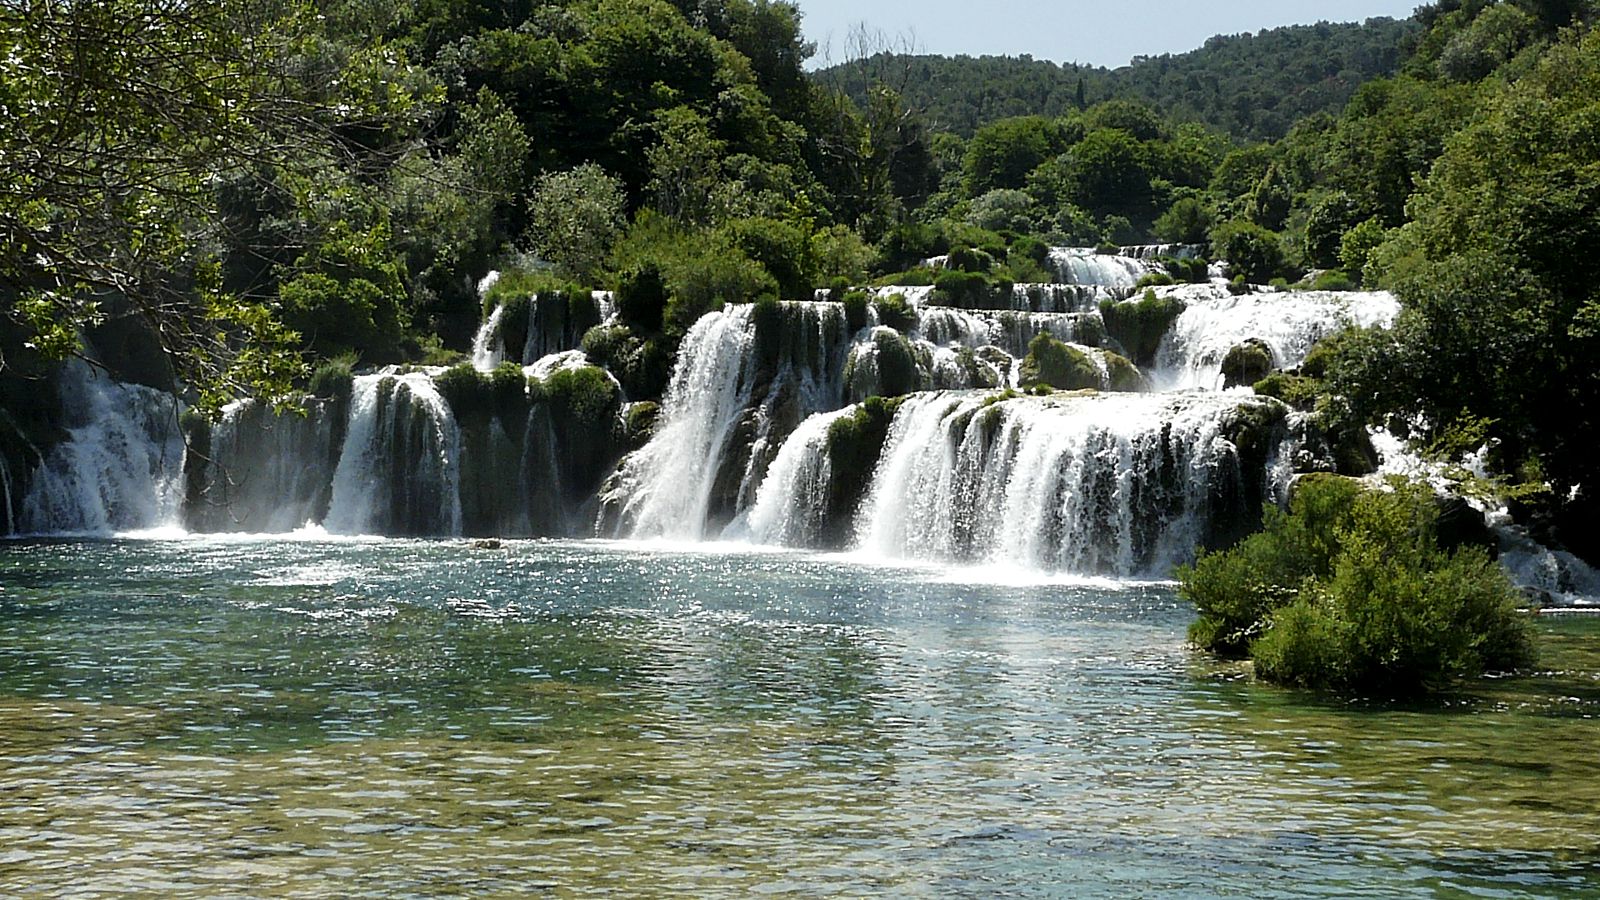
{"x": 1214, "y": 321}
{"x": 791, "y": 501}
{"x": 1121, "y": 484}
{"x": 664, "y": 489}
{"x": 267, "y": 473}
{"x": 399, "y": 471}
{"x": 121, "y": 466}
{"x": 1082, "y": 265}
{"x": 488, "y": 345}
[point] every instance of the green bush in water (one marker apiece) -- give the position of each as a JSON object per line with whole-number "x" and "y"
{"x": 643, "y": 365}
{"x": 1350, "y": 590}
{"x": 472, "y": 394}
{"x": 1193, "y": 270}
{"x": 895, "y": 312}
{"x": 1139, "y": 325}
{"x": 1155, "y": 279}
{"x": 1052, "y": 363}
{"x": 640, "y": 422}
{"x": 921, "y": 276}
{"x": 584, "y": 394}
{"x": 1333, "y": 280}
{"x": 1298, "y": 391}
{"x": 970, "y": 259}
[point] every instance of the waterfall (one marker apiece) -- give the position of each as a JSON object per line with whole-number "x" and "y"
{"x": 120, "y": 467}
{"x": 1154, "y": 251}
{"x": 1082, "y": 265}
{"x": 791, "y": 502}
{"x": 267, "y": 473}
{"x": 1215, "y": 321}
{"x": 5, "y": 490}
{"x": 488, "y": 345}
{"x": 664, "y": 489}
{"x": 1123, "y": 484}
{"x": 399, "y": 471}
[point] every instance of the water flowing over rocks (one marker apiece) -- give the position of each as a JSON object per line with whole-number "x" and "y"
{"x": 894, "y": 427}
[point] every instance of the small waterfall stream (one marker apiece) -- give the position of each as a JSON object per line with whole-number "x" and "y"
{"x": 399, "y": 472}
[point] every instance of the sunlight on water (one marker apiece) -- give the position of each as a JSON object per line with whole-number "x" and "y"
{"x": 404, "y": 718}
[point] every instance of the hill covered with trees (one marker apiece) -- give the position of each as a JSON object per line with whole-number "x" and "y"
{"x": 1252, "y": 86}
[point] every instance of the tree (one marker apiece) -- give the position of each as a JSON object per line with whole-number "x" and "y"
{"x": 575, "y": 217}
{"x": 119, "y": 120}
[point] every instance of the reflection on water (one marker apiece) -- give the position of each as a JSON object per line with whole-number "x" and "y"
{"x": 408, "y": 718}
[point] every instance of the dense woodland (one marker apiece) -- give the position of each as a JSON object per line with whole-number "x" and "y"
{"x": 271, "y": 187}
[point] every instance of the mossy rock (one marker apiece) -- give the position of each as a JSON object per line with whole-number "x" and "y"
{"x": 893, "y": 366}
{"x": 639, "y": 422}
{"x": 1124, "y": 376}
{"x": 642, "y": 365}
{"x": 854, "y": 443}
{"x": 1246, "y": 363}
{"x": 1139, "y": 325}
{"x": 1051, "y": 363}
{"x": 475, "y": 396}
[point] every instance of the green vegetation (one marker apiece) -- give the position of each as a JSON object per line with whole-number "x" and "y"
{"x": 1051, "y": 363}
{"x": 1351, "y": 590}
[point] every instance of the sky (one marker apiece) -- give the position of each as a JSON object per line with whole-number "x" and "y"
{"x": 1098, "y": 32}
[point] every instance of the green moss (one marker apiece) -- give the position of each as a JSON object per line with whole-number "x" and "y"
{"x": 475, "y": 396}
{"x": 644, "y": 366}
{"x": 854, "y": 444}
{"x": 855, "y": 309}
{"x": 1051, "y": 363}
{"x": 1139, "y": 325}
{"x": 1155, "y": 279}
{"x": 640, "y": 423}
{"x": 1246, "y": 363}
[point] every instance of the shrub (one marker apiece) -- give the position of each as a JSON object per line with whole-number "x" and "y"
{"x": 644, "y": 366}
{"x": 965, "y": 290}
{"x": 1155, "y": 279}
{"x": 1351, "y": 590}
{"x": 333, "y": 379}
{"x": 855, "y": 309}
{"x": 895, "y": 312}
{"x": 1333, "y": 280}
{"x": 1252, "y": 252}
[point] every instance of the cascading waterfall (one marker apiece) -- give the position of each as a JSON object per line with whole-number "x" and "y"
{"x": 1082, "y": 265}
{"x": 121, "y": 465}
{"x": 1122, "y": 484}
{"x": 488, "y": 345}
{"x": 267, "y": 473}
{"x": 664, "y": 489}
{"x": 1214, "y": 321}
{"x": 399, "y": 472}
{"x": 793, "y": 498}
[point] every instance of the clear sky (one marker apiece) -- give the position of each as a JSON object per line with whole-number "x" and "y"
{"x": 1099, "y": 32}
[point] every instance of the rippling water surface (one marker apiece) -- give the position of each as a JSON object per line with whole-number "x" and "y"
{"x": 393, "y": 718}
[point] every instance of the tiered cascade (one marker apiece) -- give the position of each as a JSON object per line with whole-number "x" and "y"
{"x": 773, "y": 429}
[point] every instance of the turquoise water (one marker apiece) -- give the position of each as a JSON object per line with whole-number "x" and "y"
{"x": 396, "y": 718}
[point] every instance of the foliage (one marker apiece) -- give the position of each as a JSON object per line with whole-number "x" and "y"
{"x": 1351, "y": 590}
{"x": 1252, "y": 252}
{"x": 574, "y": 217}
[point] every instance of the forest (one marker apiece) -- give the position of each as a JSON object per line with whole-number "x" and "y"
{"x": 241, "y": 196}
